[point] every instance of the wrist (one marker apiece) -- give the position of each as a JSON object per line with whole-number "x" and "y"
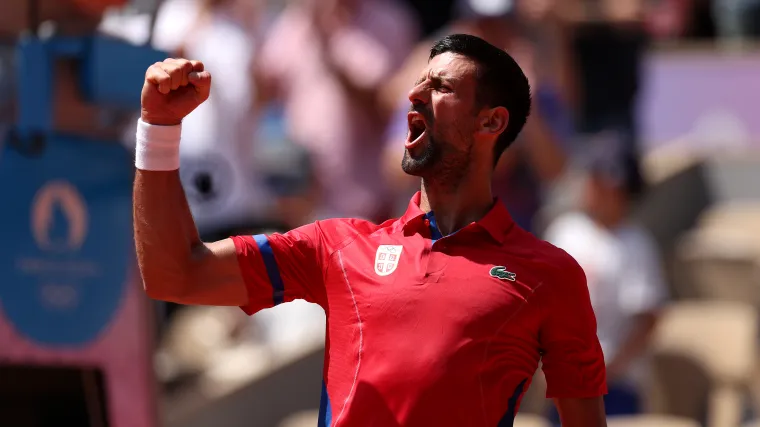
{"x": 157, "y": 146}
{"x": 155, "y": 120}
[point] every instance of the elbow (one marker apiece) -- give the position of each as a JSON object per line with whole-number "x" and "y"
{"x": 162, "y": 286}
{"x": 154, "y": 291}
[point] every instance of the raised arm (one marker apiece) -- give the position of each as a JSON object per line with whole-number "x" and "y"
{"x": 175, "y": 264}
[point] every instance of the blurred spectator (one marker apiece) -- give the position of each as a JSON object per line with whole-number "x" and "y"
{"x": 327, "y": 60}
{"x": 68, "y": 16}
{"x": 622, "y": 268}
{"x": 608, "y": 42}
{"x": 71, "y": 113}
{"x": 540, "y": 22}
{"x": 223, "y": 187}
{"x": 537, "y": 158}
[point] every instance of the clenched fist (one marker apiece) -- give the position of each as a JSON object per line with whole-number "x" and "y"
{"x": 172, "y": 90}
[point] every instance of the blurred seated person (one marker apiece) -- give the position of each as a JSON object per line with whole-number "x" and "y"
{"x": 608, "y": 39}
{"x": 71, "y": 114}
{"x": 622, "y": 269}
{"x": 327, "y": 61}
{"x": 536, "y": 159}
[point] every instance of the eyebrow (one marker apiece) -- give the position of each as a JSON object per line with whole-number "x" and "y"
{"x": 435, "y": 78}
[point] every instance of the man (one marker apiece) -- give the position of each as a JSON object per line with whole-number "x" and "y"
{"x": 437, "y": 318}
{"x": 537, "y": 159}
{"x": 621, "y": 262}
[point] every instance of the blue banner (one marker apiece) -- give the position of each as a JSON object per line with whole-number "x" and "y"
{"x": 65, "y": 239}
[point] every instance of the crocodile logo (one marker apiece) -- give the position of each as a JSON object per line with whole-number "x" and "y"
{"x": 501, "y": 272}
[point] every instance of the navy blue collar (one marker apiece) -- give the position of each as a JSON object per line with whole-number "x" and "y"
{"x": 435, "y": 233}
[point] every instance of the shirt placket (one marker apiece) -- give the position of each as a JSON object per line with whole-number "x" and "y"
{"x": 435, "y": 262}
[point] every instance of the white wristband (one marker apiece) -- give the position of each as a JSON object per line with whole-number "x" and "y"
{"x": 157, "y": 147}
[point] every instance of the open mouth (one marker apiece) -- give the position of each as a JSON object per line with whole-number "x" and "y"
{"x": 417, "y": 128}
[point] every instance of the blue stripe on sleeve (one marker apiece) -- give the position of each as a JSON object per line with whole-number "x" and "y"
{"x": 509, "y": 417}
{"x": 278, "y": 289}
{"x": 325, "y": 410}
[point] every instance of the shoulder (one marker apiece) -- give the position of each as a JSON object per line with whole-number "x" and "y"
{"x": 556, "y": 267}
{"x": 336, "y": 233}
{"x": 559, "y": 262}
{"x": 563, "y": 289}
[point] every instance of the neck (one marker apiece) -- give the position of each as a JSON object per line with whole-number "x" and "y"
{"x": 456, "y": 207}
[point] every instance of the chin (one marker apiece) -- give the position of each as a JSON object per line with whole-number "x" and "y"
{"x": 417, "y": 165}
{"x": 409, "y": 165}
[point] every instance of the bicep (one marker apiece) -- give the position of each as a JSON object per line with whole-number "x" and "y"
{"x": 256, "y": 272}
{"x": 280, "y": 268}
{"x": 583, "y": 412}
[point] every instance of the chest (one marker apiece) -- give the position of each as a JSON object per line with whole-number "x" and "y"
{"x": 444, "y": 292}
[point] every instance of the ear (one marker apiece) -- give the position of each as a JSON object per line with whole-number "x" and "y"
{"x": 493, "y": 121}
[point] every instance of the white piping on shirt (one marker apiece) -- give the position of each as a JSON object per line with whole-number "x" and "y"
{"x": 488, "y": 346}
{"x": 361, "y": 339}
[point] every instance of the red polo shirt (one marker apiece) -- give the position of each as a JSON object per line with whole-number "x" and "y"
{"x": 424, "y": 331}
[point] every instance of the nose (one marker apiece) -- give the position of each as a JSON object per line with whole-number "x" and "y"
{"x": 419, "y": 94}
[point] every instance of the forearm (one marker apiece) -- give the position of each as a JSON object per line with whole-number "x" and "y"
{"x": 165, "y": 234}
{"x": 175, "y": 265}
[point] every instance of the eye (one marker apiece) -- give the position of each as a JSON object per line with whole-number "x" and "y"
{"x": 443, "y": 89}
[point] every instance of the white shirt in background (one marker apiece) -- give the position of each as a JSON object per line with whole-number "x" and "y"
{"x": 623, "y": 274}
{"x": 218, "y": 137}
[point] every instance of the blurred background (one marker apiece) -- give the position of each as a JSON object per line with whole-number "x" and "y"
{"x": 641, "y": 159}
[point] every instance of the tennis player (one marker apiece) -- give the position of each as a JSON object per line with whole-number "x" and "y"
{"x": 437, "y": 318}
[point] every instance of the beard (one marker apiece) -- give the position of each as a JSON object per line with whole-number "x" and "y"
{"x": 422, "y": 164}
{"x": 439, "y": 162}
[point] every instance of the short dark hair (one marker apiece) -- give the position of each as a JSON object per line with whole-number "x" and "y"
{"x": 501, "y": 82}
